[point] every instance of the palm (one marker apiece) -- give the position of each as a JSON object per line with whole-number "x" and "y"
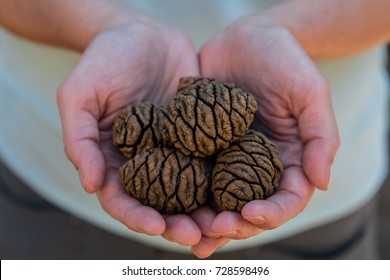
{"x": 127, "y": 76}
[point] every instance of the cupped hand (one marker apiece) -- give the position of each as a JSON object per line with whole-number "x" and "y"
{"x": 295, "y": 111}
{"x": 139, "y": 61}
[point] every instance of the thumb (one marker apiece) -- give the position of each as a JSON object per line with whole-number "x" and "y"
{"x": 320, "y": 136}
{"x": 78, "y": 112}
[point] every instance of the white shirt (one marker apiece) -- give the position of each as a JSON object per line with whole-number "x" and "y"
{"x": 30, "y": 127}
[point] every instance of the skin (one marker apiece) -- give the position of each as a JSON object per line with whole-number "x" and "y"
{"x": 277, "y": 48}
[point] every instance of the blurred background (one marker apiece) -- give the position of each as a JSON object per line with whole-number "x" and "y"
{"x": 384, "y": 208}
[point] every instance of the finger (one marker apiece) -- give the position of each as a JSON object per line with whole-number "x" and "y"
{"x": 319, "y": 133}
{"x": 226, "y": 224}
{"x": 181, "y": 229}
{"x": 128, "y": 210}
{"x": 210, "y": 63}
{"x": 232, "y": 225}
{"x": 204, "y": 218}
{"x": 81, "y": 136}
{"x": 289, "y": 200}
{"x": 318, "y": 157}
{"x": 207, "y": 246}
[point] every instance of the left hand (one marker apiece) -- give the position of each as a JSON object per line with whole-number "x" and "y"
{"x": 295, "y": 111}
{"x": 139, "y": 61}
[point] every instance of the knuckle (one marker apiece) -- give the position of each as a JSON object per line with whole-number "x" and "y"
{"x": 69, "y": 153}
{"x": 63, "y": 92}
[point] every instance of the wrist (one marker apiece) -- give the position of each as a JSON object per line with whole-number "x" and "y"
{"x": 268, "y": 22}
{"x": 128, "y": 23}
{"x": 102, "y": 18}
{"x": 90, "y": 20}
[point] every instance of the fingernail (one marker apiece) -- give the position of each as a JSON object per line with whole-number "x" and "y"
{"x": 81, "y": 177}
{"x": 142, "y": 231}
{"x": 229, "y": 233}
{"x": 172, "y": 240}
{"x": 328, "y": 176}
{"x": 258, "y": 220}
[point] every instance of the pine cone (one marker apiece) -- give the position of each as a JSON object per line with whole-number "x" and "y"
{"x": 166, "y": 180}
{"x": 248, "y": 170}
{"x": 207, "y": 116}
{"x": 140, "y": 127}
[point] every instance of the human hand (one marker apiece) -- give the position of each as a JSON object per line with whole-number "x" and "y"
{"x": 295, "y": 111}
{"x": 138, "y": 61}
